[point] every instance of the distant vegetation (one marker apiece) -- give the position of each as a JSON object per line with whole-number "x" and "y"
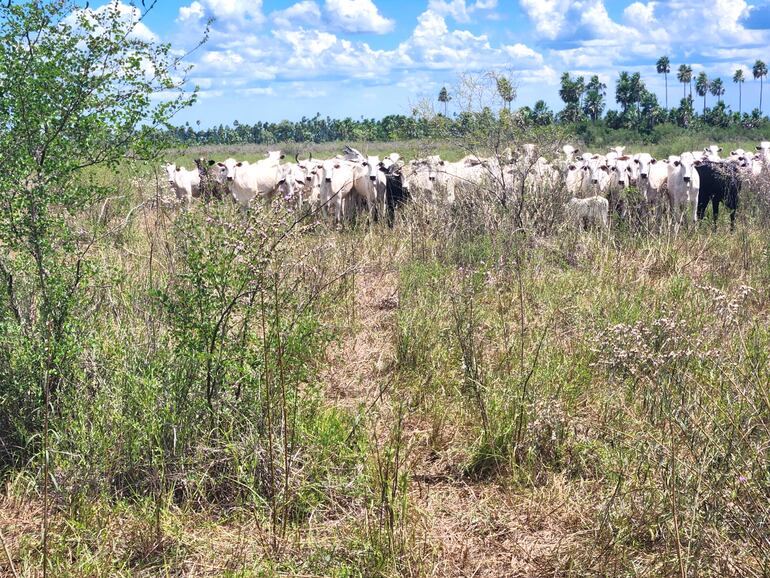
{"x": 639, "y": 118}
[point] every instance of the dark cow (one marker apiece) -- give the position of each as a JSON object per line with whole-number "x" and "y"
{"x": 395, "y": 195}
{"x": 210, "y": 186}
{"x": 719, "y": 182}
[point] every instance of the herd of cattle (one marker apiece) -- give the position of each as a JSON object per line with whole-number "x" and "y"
{"x": 596, "y": 184}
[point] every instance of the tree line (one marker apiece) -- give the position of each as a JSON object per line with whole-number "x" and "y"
{"x": 584, "y": 102}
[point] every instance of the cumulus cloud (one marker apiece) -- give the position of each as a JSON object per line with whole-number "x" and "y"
{"x": 130, "y": 15}
{"x": 357, "y": 16}
{"x": 241, "y": 12}
{"x": 459, "y": 9}
{"x": 305, "y": 13}
{"x": 522, "y": 52}
{"x": 194, "y": 11}
{"x": 547, "y": 15}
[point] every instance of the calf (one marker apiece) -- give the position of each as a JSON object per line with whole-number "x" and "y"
{"x": 585, "y": 212}
{"x": 719, "y": 181}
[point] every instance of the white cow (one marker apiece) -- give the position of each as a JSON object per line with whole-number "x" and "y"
{"x": 185, "y": 183}
{"x": 764, "y": 149}
{"x": 599, "y": 172}
{"x": 573, "y": 179}
{"x": 424, "y": 178}
{"x": 570, "y": 154}
{"x": 652, "y": 175}
{"x": 258, "y": 180}
{"x": 711, "y": 152}
{"x": 585, "y": 212}
{"x": 683, "y": 184}
{"x": 336, "y": 191}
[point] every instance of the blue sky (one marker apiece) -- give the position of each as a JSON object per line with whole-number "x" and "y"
{"x": 284, "y": 59}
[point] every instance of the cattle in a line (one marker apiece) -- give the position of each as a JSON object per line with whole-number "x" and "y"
{"x": 351, "y": 181}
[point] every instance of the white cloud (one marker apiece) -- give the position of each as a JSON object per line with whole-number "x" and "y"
{"x": 241, "y": 13}
{"x": 547, "y": 15}
{"x": 520, "y": 51}
{"x": 130, "y": 15}
{"x": 193, "y": 12}
{"x": 357, "y": 16}
{"x": 302, "y": 13}
{"x": 458, "y": 9}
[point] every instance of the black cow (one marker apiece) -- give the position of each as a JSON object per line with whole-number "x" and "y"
{"x": 719, "y": 181}
{"x": 210, "y": 187}
{"x": 395, "y": 195}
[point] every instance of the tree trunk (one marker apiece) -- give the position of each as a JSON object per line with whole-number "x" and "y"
{"x": 665, "y": 78}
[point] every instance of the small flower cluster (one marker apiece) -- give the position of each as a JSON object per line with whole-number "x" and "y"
{"x": 650, "y": 349}
{"x": 727, "y": 306}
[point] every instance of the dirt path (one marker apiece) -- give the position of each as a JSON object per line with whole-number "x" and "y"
{"x": 471, "y": 528}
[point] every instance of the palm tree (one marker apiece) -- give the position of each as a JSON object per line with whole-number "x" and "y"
{"x": 702, "y": 88}
{"x": 759, "y": 70}
{"x": 663, "y": 66}
{"x": 684, "y": 75}
{"x": 443, "y": 96}
{"x": 506, "y": 91}
{"x": 717, "y": 89}
{"x": 739, "y": 79}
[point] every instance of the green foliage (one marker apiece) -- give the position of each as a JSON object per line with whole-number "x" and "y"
{"x": 74, "y": 87}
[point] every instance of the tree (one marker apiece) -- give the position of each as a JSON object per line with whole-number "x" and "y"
{"x": 650, "y": 110}
{"x": 506, "y": 91}
{"x": 684, "y": 75}
{"x": 541, "y": 114}
{"x": 636, "y": 88}
{"x": 624, "y": 91}
{"x": 571, "y": 92}
{"x": 759, "y": 70}
{"x": 717, "y": 89}
{"x": 443, "y": 96}
{"x": 593, "y": 104}
{"x": 76, "y": 94}
{"x": 663, "y": 66}
{"x": 739, "y": 79}
{"x": 702, "y": 88}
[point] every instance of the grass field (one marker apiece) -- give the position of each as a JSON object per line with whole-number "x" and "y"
{"x": 448, "y": 150}
{"x": 456, "y": 396}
